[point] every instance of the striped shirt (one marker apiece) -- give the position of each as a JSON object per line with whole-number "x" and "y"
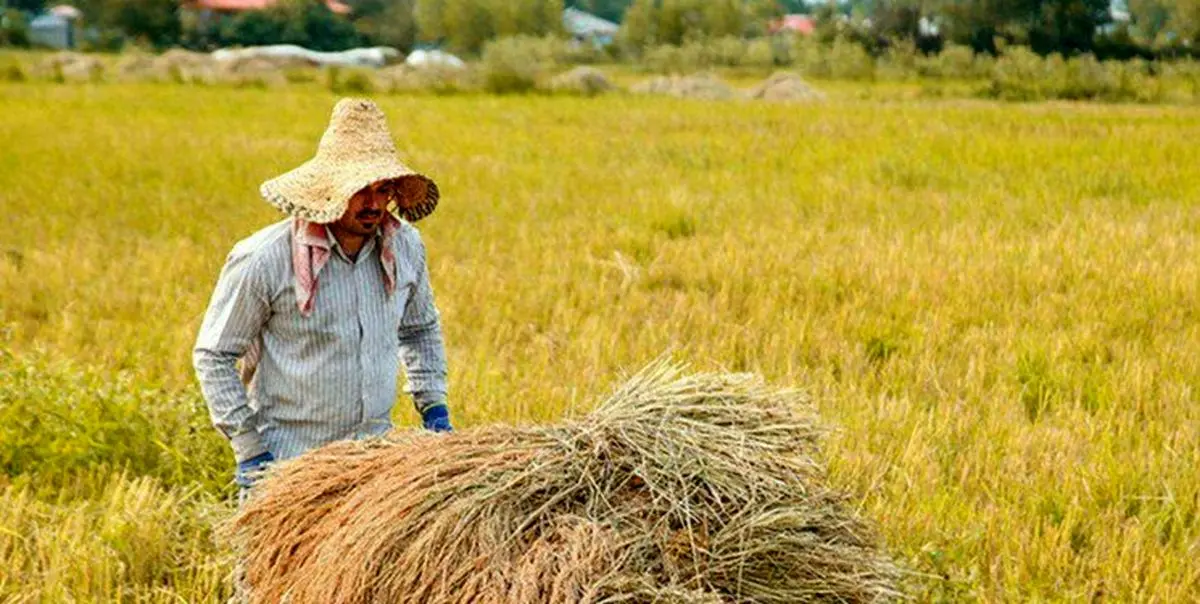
{"x": 326, "y": 375}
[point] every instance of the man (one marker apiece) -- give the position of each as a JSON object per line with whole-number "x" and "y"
{"x": 322, "y": 307}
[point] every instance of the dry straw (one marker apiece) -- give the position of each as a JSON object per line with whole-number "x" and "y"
{"x": 785, "y": 86}
{"x": 676, "y": 489}
{"x": 701, "y": 86}
{"x": 583, "y": 81}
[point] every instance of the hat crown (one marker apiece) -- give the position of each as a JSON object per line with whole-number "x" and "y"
{"x": 356, "y": 151}
{"x": 357, "y": 130}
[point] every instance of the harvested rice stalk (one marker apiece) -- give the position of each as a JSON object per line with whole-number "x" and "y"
{"x": 703, "y": 488}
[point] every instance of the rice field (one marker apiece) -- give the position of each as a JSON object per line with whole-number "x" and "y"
{"x": 995, "y": 306}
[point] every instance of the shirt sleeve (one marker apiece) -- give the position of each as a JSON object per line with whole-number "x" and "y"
{"x": 422, "y": 349}
{"x": 239, "y": 309}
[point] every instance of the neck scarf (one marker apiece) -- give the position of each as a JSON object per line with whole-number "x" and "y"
{"x": 311, "y": 250}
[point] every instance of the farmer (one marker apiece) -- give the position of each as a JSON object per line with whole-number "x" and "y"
{"x": 322, "y": 307}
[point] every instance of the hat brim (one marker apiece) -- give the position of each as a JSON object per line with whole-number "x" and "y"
{"x": 318, "y": 192}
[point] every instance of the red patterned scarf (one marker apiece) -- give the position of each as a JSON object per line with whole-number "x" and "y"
{"x": 311, "y": 249}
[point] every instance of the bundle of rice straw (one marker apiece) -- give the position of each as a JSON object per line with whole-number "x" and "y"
{"x": 436, "y": 79}
{"x": 703, "y": 86}
{"x": 785, "y": 86}
{"x": 72, "y": 67}
{"x": 136, "y": 66}
{"x": 676, "y": 489}
{"x": 187, "y": 66}
{"x": 583, "y": 80}
{"x": 253, "y": 71}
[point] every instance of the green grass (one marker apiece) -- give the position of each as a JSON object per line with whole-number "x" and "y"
{"x": 995, "y": 305}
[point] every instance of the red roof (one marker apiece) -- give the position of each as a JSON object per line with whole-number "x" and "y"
{"x": 801, "y": 24}
{"x": 237, "y": 6}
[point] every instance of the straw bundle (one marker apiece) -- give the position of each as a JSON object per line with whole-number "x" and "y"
{"x": 584, "y": 81}
{"x": 705, "y": 87}
{"x": 72, "y": 67}
{"x": 254, "y": 71}
{"x": 433, "y": 78}
{"x": 136, "y": 66}
{"x": 785, "y": 86}
{"x": 676, "y": 489}
{"x": 186, "y": 66}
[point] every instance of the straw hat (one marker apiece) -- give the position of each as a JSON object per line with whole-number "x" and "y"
{"x": 356, "y": 151}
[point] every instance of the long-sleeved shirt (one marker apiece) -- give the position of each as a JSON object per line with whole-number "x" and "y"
{"x": 328, "y": 374}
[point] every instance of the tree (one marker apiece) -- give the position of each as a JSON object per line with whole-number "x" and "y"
{"x": 14, "y": 31}
{"x": 547, "y": 17}
{"x": 1185, "y": 21}
{"x": 310, "y": 23}
{"x": 723, "y": 18}
{"x": 29, "y": 6}
{"x": 1150, "y": 18}
{"x": 387, "y": 22}
{"x": 1067, "y": 26}
{"x": 466, "y": 25}
{"x": 152, "y": 21}
{"x": 679, "y": 20}
{"x": 639, "y": 30}
{"x": 307, "y": 23}
{"x": 613, "y": 10}
{"x": 430, "y": 21}
{"x": 251, "y": 28}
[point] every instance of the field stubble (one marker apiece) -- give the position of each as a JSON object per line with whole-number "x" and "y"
{"x": 995, "y": 305}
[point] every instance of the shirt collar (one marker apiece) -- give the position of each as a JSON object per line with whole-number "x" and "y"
{"x": 314, "y": 234}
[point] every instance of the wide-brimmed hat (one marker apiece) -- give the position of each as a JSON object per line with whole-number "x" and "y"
{"x": 355, "y": 152}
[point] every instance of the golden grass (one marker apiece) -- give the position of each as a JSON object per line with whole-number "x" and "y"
{"x": 995, "y": 304}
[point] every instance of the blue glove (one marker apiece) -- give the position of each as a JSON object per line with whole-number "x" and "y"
{"x": 248, "y": 471}
{"x": 436, "y": 418}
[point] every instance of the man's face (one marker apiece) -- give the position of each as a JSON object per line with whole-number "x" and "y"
{"x": 365, "y": 211}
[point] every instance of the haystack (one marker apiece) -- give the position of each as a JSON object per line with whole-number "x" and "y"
{"x": 704, "y": 86}
{"x": 71, "y": 67}
{"x": 136, "y": 66}
{"x": 431, "y": 78}
{"x": 584, "y": 81}
{"x": 255, "y": 71}
{"x": 681, "y": 489}
{"x": 785, "y": 86}
{"x": 187, "y": 66}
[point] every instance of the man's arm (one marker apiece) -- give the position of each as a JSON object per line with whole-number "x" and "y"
{"x": 422, "y": 350}
{"x": 239, "y": 308}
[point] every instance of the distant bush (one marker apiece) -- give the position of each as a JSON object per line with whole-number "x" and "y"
{"x": 516, "y": 64}
{"x": 761, "y": 53}
{"x": 1021, "y": 75}
{"x": 583, "y": 53}
{"x": 348, "y": 81}
{"x": 672, "y": 59}
{"x": 727, "y": 51}
{"x": 899, "y": 61}
{"x": 848, "y": 61}
{"x": 954, "y": 62}
{"x": 14, "y": 31}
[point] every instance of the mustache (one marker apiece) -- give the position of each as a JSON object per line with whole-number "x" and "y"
{"x": 369, "y": 214}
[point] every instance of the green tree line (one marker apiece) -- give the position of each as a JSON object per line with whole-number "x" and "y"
{"x": 1069, "y": 27}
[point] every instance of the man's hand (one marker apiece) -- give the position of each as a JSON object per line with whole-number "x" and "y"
{"x": 436, "y": 418}
{"x": 249, "y": 471}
